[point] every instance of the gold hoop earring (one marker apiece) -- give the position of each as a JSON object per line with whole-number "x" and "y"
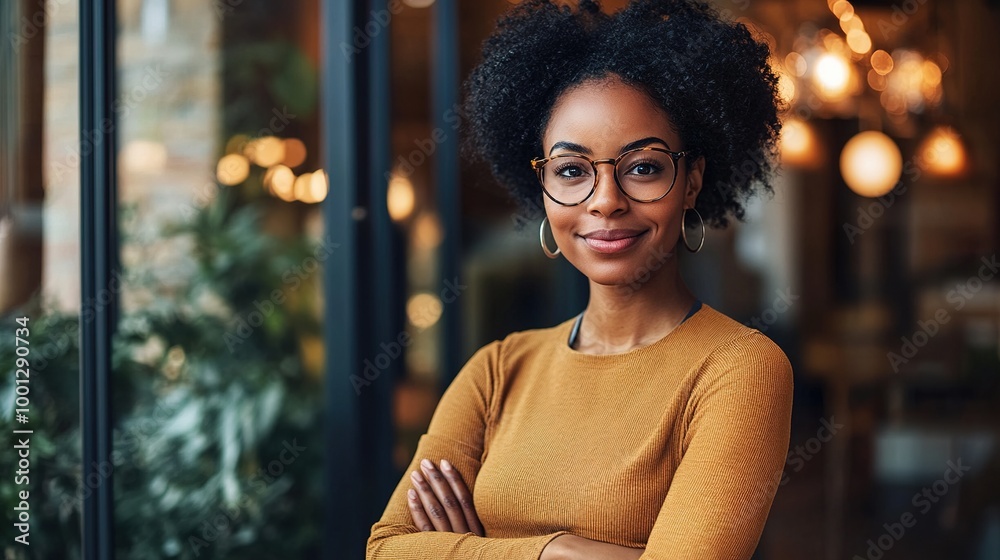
{"x": 684, "y": 231}
{"x": 541, "y": 238}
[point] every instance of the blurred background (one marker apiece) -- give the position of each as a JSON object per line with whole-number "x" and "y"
{"x": 302, "y": 262}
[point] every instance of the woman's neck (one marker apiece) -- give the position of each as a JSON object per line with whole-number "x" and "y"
{"x": 621, "y": 318}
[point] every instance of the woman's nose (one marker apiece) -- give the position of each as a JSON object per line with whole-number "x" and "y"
{"x": 607, "y": 198}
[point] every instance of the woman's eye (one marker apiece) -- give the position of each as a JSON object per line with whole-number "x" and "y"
{"x": 645, "y": 169}
{"x": 570, "y": 171}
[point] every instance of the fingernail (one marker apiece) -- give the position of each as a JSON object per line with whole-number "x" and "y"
{"x": 445, "y": 465}
{"x": 412, "y": 494}
{"x": 415, "y": 475}
{"x": 427, "y": 464}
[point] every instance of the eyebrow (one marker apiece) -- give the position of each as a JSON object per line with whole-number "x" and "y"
{"x": 574, "y": 147}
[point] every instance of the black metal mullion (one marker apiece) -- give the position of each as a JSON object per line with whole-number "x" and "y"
{"x": 345, "y": 528}
{"x": 97, "y": 250}
{"x": 385, "y": 271}
{"x": 445, "y": 91}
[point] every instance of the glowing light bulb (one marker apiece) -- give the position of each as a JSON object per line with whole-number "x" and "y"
{"x": 871, "y": 163}
{"x": 942, "y": 152}
{"x": 832, "y": 76}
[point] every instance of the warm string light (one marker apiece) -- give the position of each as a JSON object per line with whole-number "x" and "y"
{"x": 905, "y": 80}
{"x": 832, "y": 67}
{"x": 232, "y": 169}
{"x": 266, "y": 151}
{"x": 280, "y": 181}
{"x": 278, "y": 156}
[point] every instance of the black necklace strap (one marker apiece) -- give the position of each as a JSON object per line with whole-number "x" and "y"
{"x": 575, "y": 332}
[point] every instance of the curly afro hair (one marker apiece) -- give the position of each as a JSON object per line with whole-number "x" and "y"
{"x": 710, "y": 75}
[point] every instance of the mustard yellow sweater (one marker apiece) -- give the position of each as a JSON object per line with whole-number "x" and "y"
{"x": 675, "y": 447}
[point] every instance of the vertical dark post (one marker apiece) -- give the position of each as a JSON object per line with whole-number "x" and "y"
{"x": 98, "y": 247}
{"x": 385, "y": 296}
{"x": 345, "y": 532}
{"x": 445, "y": 88}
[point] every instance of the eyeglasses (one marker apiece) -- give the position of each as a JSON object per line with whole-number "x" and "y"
{"x": 644, "y": 175}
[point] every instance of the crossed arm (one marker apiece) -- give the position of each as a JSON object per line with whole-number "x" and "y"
{"x": 441, "y": 501}
{"x": 737, "y": 429}
{"x": 441, "y": 521}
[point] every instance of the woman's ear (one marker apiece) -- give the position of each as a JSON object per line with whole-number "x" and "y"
{"x": 695, "y": 175}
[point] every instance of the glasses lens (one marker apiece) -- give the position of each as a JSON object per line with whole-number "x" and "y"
{"x": 568, "y": 179}
{"x": 646, "y": 174}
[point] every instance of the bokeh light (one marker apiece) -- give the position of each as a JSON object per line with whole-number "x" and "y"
{"x": 882, "y": 62}
{"x": 877, "y": 81}
{"x": 427, "y": 231}
{"x": 942, "y": 153}
{"x": 859, "y": 41}
{"x": 796, "y": 64}
{"x": 842, "y": 9}
{"x": 143, "y": 156}
{"x": 400, "y": 198}
{"x": 833, "y": 76}
{"x": 279, "y": 180}
{"x": 301, "y": 187}
{"x": 317, "y": 187}
{"x": 871, "y": 164}
{"x": 232, "y": 169}
{"x": 295, "y": 152}
{"x": 423, "y": 310}
{"x": 266, "y": 151}
{"x": 852, "y": 23}
{"x": 798, "y": 143}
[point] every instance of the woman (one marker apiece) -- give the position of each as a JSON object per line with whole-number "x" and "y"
{"x": 651, "y": 425}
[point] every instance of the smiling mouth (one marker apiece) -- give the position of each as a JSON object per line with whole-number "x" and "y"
{"x": 615, "y": 245}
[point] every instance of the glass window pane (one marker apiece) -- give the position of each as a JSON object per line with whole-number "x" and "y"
{"x": 218, "y": 373}
{"x": 40, "y": 280}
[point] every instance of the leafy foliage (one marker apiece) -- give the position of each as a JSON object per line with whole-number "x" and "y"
{"x": 214, "y": 448}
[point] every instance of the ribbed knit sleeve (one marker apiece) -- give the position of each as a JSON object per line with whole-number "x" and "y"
{"x": 457, "y": 432}
{"x": 738, "y": 421}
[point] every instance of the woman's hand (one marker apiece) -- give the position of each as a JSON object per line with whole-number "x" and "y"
{"x": 442, "y": 501}
{"x": 572, "y": 547}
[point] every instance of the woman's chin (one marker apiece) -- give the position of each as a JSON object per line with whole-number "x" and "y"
{"x": 618, "y": 275}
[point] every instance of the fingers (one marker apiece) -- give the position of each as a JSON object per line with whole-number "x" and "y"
{"x": 446, "y": 497}
{"x": 464, "y": 497}
{"x": 417, "y": 512}
{"x": 429, "y": 502}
